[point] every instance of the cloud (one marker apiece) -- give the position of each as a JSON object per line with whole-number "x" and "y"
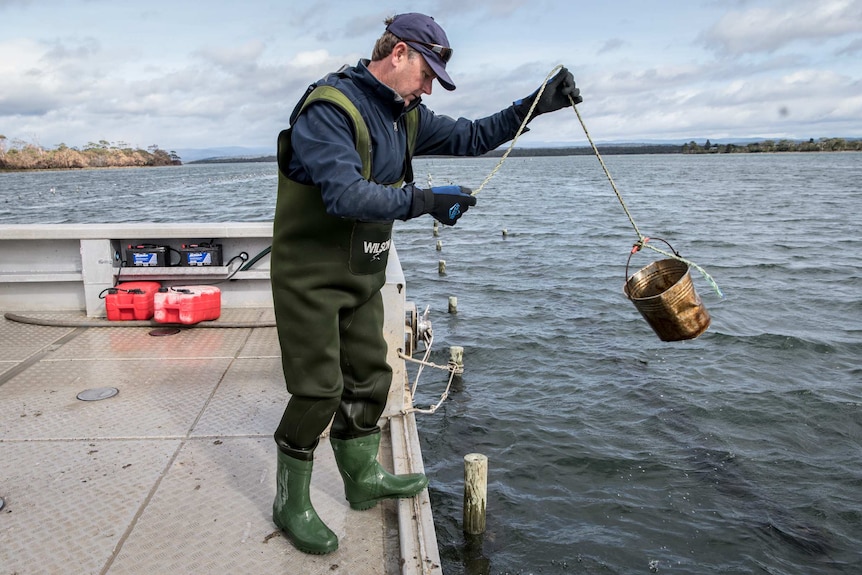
{"x": 60, "y": 53}
{"x": 79, "y": 70}
{"x": 39, "y": 77}
{"x": 769, "y": 29}
{"x": 240, "y": 56}
{"x": 851, "y": 49}
{"x": 10, "y": 3}
{"x": 25, "y": 102}
{"x": 362, "y": 26}
{"x": 312, "y": 59}
{"x": 611, "y": 45}
{"x": 489, "y": 8}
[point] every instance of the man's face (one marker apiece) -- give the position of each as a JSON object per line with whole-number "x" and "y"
{"x": 414, "y": 77}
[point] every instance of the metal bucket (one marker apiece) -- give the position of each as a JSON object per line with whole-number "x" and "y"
{"x": 664, "y": 295}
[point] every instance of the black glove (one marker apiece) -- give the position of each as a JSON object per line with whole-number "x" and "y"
{"x": 554, "y": 97}
{"x": 445, "y": 203}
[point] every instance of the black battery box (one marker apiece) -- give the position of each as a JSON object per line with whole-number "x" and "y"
{"x": 200, "y": 255}
{"x": 147, "y": 255}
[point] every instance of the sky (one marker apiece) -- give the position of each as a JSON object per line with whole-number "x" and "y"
{"x": 190, "y": 74}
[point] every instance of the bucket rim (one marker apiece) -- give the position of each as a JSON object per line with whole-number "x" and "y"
{"x": 658, "y": 295}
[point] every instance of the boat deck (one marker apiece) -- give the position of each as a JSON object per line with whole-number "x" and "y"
{"x": 176, "y": 472}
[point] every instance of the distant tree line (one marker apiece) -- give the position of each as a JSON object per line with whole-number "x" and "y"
{"x": 821, "y": 145}
{"x": 236, "y": 160}
{"x": 20, "y": 155}
{"x": 586, "y": 151}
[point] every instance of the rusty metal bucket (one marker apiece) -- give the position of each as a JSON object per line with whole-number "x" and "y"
{"x": 664, "y": 295}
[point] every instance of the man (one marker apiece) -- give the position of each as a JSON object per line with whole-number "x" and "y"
{"x": 344, "y": 176}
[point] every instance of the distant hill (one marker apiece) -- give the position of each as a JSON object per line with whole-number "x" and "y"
{"x": 236, "y": 153}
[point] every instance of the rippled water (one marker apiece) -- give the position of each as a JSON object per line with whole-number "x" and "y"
{"x": 197, "y": 192}
{"x": 609, "y": 450}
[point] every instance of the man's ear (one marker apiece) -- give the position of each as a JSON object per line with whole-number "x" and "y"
{"x": 400, "y": 50}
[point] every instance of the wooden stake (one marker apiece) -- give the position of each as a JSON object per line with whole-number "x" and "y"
{"x": 456, "y": 359}
{"x": 475, "y": 493}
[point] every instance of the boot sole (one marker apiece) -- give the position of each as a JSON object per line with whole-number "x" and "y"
{"x": 301, "y": 546}
{"x": 369, "y": 503}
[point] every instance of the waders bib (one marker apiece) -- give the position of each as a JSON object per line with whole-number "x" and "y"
{"x": 326, "y": 277}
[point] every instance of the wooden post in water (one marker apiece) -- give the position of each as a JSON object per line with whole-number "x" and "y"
{"x": 439, "y": 245}
{"x": 453, "y": 304}
{"x": 475, "y": 493}
{"x": 456, "y": 359}
{"x": 436, "y": 229}
{"x": 441, "y": 267}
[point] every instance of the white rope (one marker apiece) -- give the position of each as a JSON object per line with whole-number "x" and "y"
{"x": 642, "y": 240}
{"x": 451, "y": 368}
{"x": 428, "y": 342}
{"x": 521, "y": 129}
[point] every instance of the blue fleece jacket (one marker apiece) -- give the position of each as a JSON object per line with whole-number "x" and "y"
{"x": 324, "y": 153}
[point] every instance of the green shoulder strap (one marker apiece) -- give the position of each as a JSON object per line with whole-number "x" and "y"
{"x": 362, "y": 139}
{"x": 411, "y": 124}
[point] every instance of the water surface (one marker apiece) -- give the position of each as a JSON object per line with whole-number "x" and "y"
{"x": 609, "y": 450}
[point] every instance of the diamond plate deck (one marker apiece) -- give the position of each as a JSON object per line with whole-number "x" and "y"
{"x": 174, "y": 474}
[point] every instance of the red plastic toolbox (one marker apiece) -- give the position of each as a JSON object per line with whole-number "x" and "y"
{"x": 187, "y": 304}
{"x": 131, "y": 300}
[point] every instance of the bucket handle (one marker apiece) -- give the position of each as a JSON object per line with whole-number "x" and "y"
{"x": 638, "y": 246}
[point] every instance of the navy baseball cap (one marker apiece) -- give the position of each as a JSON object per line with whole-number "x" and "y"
{"x": 425, "y": 36}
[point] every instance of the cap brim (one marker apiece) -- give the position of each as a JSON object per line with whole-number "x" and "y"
{"x": 436, "y": 64}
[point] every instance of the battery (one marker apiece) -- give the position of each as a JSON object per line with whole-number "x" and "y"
{"x": 200, "y": 255}
{"x": 147, "y": 255}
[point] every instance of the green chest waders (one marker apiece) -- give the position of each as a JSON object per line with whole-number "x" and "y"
{"x": 326, "y": 278}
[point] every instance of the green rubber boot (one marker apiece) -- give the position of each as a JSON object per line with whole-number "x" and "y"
{"x": 292, "y": 510}
{"x": 365, "y": 481}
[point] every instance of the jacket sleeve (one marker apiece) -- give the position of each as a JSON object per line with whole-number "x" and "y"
{"x": 324, "y": 155}
{"x": 444, "y": 136}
